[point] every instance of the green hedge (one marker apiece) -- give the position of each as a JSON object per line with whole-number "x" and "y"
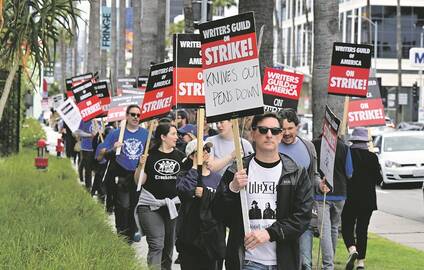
{"x": 47, "y": 221}
{"x": 31, "y": 132}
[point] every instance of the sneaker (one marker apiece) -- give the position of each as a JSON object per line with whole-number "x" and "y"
{"x": 137, "y": 237}
{"x": 351, "y": 260}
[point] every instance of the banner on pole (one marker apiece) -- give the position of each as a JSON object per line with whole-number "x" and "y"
{"x": 281, "y": 89}
{"x": 106, "y": 28}
{"x": 350, "y": 68}
{"x": 188, "y": 75}
{"x": 159, "y": 96}
{"x": 74, "y": 81}
{"x": 118, "y": 106}
{"x": 367, "y": 111}
{"x": 87, "y": 101}
{"x": 329, "y": 145}
{"x": 70, "y": 114}
{"x": 231, "y": 73}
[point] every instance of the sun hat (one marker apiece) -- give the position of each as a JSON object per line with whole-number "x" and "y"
{"x": 192, "y": 147}
{"x": 359, "y": 134}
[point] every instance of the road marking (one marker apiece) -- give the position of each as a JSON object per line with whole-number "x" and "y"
{"x": 381, "y": 191}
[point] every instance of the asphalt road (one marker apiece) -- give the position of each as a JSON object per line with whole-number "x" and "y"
{"x": 404, "y": 201}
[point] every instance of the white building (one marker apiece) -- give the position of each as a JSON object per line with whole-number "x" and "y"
{"x": 297, "y": 40}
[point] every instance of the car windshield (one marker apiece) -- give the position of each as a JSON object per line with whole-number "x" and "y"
{"x": 404, "y": 143}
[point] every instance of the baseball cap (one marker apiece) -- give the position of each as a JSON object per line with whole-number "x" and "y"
{"x": 189, "y": 128}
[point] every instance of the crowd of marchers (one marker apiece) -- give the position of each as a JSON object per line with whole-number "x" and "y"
{"x": 198, "y": 210}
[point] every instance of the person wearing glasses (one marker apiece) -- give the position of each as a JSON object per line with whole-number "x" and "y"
{"x": 156, "y": 208}
{"x": 268, "y": 176}
{"x": 304, "y": 154}
{"x": 123, "y": 167}
{"x": 200, "y": 237}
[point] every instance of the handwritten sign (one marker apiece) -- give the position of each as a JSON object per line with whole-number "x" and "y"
{"x": 188, "y": 75}
{"x": 350, "y": 68}
{"x": 70, "y": 114}
{"x": 159, "y": 96}
{"x": 230, "y": 64}
{"x": 281, "y": 89}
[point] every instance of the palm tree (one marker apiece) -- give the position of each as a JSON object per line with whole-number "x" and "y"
{"x": 113, "y": 49}
{"x": 93, "y": 64}
{"x": 122, "y": 39}
{"x": 28, "y": 27}
{"x": 149, "y": 35}
{"x": 263, "y": 10}
{"x": 161, "y": 22}
{"x": 136, "y": 58}
{"x": 326, "y": 32}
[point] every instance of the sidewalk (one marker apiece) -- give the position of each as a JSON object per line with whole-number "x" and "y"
{"x": 400, "y": 230}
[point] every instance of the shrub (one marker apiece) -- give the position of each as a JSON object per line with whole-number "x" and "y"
{"x": 31, "y": 132}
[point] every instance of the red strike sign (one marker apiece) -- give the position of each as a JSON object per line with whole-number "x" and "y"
{"x": 90, "y": 108}
{"x": 351, "y": 81}
{"x": 369, "y": 112}
{"x": 156, "y": 103}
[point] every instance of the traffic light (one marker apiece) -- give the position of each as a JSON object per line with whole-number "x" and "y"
{"x": 415, "y": 91}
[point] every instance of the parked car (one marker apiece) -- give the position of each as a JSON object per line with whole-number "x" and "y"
{"x": 410, "y": 126}
{"x": 401, "y": 156}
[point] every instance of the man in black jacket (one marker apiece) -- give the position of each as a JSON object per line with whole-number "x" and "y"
{"x": 268, "y": 176}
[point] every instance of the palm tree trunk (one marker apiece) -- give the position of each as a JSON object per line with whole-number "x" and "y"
{"x": 94, "y": 37}
{"x": 161, "y": 22}
{"x": 326, "y": 32}
{"x": 188, "y": 17}
{"x": 263, "y": 17}
{"x": 75, "y": 61}
{"x": 122, "y": 39}
{"x": 113, "y": 49}
{"x": 149, "y": 35}
{"x": 63, "y": 57}
{"x": 8, "y": 87}
{"x": 279, "y": 35}
{"x": 136, "y": 58}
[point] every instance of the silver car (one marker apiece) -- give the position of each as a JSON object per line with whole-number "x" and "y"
{"x": 401, "y": 156}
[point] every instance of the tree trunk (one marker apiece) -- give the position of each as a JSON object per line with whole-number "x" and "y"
{"x": 8, "y": 87}
{"x": 75, "y": 49}
{"x": 113, "y": 49}
{"x": 278, "y": 21}
{"x": 136, "y": 58}
{"x": 326, "y": 32}
{"x": 161, "y": 22}
{"x": 263, "y": 17}
{"x": 149, "y": 35}
{"x": 188, "y": 17}
{"x": 63, "y": 58}
{"x": 94, "y": 37}
{"x": 122, "y": 38}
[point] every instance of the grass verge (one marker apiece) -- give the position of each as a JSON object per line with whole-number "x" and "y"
{"x": 47, "y": 221}
{"x": 382, "y": 254}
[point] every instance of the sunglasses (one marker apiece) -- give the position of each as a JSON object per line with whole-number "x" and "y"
{"x": 205, "y": 148}
{"x": 135, "y": 115}
{"x": 264, "y": 130}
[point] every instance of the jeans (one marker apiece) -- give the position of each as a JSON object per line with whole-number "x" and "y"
{"x": 126, "y": 200}
{"x": 330, "y": 230}
{"x": 355, "y": 222}
{"x": 251, "y": 265}
{"x": 305, "y": 248}
{"x": 160, "y": 236}
{"x": 85, "y": 167}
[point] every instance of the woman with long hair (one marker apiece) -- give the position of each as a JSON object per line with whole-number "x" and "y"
{"x": 156, "y": 208}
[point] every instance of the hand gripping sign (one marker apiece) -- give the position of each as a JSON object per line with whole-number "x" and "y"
{"x": 231, "y": 78}
{"x": 281, "y": 89}
{"x": 87, "y": 101}
{"x": 350, "y": 67}
{"x": 230, "y": 64}
{"x": 367, "y": 111}
{"x": 188, "y": 76}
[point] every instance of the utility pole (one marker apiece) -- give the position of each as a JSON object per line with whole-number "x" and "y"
{"x": 399, "y": 58}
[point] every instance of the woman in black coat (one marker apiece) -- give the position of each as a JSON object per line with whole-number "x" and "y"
{"x": 361, "y": 198}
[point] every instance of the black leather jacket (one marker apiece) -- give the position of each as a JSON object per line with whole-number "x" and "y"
{"x": 294, "y": 205}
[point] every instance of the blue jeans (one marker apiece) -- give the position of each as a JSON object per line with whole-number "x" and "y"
{"x": 251, "y": 265}
{"x": 305, "y": 249}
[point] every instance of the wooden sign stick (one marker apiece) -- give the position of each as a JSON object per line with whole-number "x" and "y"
{"x": 243, "y": 194}
{"x": 200, "y": 125}
{"x": 342, "y": 129}
{"x": 122, "y": 127}
{"x": 146, "y": 152}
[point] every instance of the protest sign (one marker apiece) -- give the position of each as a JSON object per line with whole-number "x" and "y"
{"x": 230, "y": 64}
{"x": 74, "y": 81}
{"x": 118, "y": 106}
{"x": 281, "y": 89}
{"x": 102, "y": 91}
{"x": 188, "y": 75}
{"x": 123, "y": 83}
{"x": 106, "y": 28}
{"x": 350, "y": 67}
{"x": 329, "y": 145}
{"x": 131, "y": 91}
{"x": 70, "y": 114}
{"x": 57, "y": 100}
{"x": 87, "y": 101}
{"x": 367, "y": 111}
{"x": 159, "y": 96}
{"x": 142, "y": 82}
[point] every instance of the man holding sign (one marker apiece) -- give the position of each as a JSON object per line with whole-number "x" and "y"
{"x": 274, "y": 179}
{"x": 134, "y": 141}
